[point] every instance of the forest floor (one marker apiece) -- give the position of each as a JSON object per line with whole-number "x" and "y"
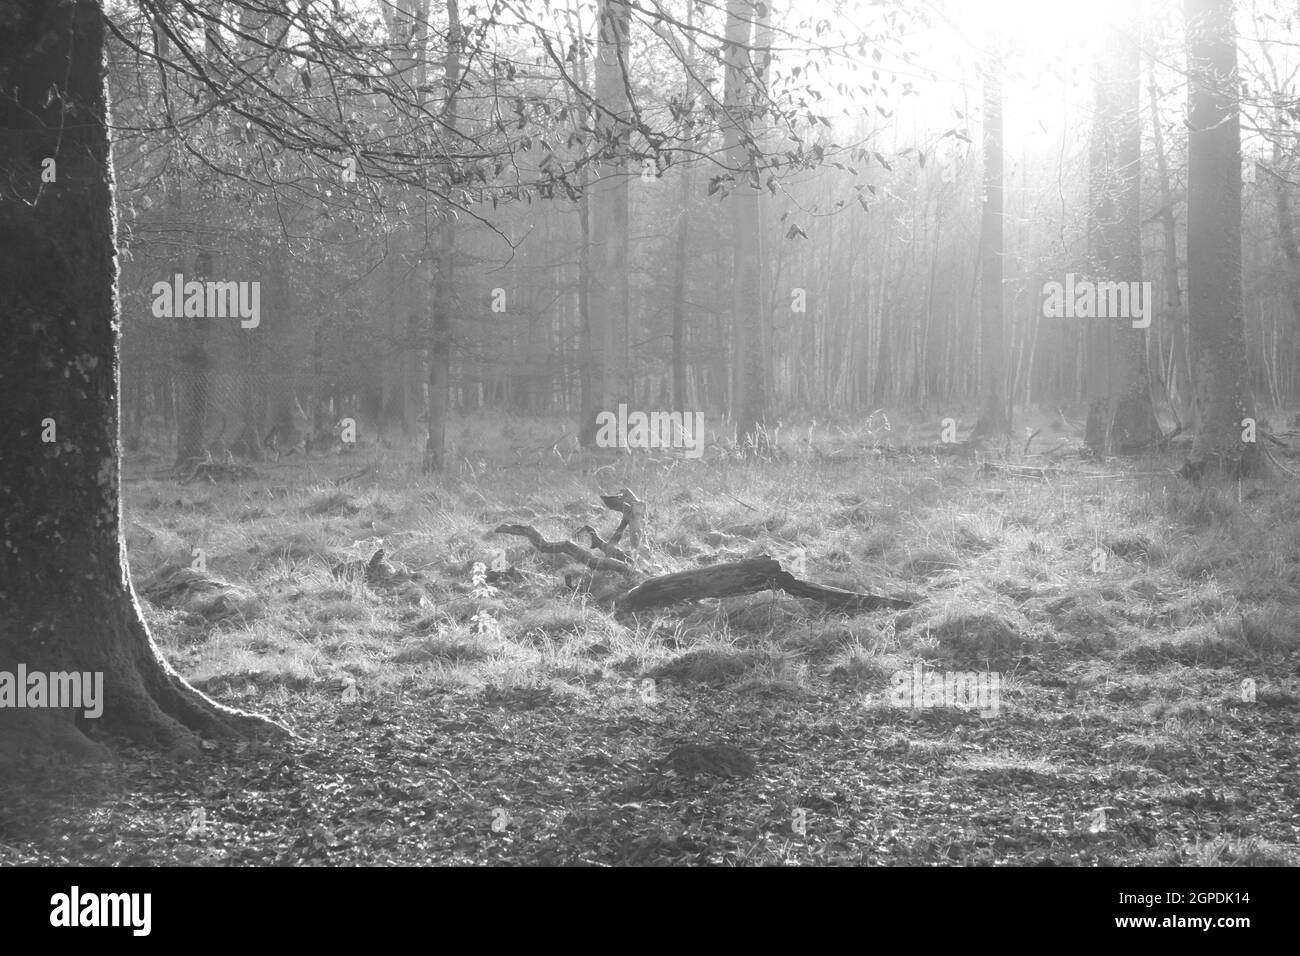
{"x": 1145, "y": 634}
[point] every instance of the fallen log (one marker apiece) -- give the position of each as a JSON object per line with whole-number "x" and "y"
{"x": 715, "y": 580}
{"x": 763, "y": 573}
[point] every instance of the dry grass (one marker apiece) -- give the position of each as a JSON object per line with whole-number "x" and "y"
{"x": 1122, "y": 613}
{"x": 1003, "y": 569}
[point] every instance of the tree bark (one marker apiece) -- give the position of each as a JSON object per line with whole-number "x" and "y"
{"x": 590, "y": 374}
{"x": 66, "y": 601}
{"x": 1216, "y": 324}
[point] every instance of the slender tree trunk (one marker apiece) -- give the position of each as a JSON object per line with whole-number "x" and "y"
{"x": 189, "y": 335}
{"x": 421, "y": 317}
{"x": 1280, "y": 172}
{"x": 1178, "y": 384}
{"x": 66, "y": 601}
{"x": 248, "y": 440}
{"x": 440, "y": 345}
{"x": 1121, "y": 417}
{"x": 324, "y": 406}
{"x": 409, "y": 284}
{"x": 609, "y": 304}
{"x": 591, "y": 368}
{"x": 1286, "y": 233}
{"x": 193, "y": 365}
{"x": 278, "y": 321}
{"x": 590, "y": 375}
{"x": 683, "y": 238}
{"x": 679, "y": 293}
{"x": 761, "y": 360}
{"x": 746, "y": 296}
{"x": 993, "y": 418}
{"x": 1286, "y": 224}
{"x": 882, "y": 381}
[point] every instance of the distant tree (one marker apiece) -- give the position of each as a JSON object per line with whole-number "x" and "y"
{"x": 682, "y": 240}
{"x": 1121, "y": 417}
{"x": 440, "y": 339}
{"x": 743, "y": 99}
{"x": 1178, "y": 381}
{"x": 609, "y": 296}
{"x": 993, "y": 418}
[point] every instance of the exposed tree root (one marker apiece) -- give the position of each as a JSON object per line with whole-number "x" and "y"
{"x": 142, "y": 697}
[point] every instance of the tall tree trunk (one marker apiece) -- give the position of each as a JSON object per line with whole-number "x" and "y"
{"x": 440, "y": 345}
{"x": 193, "y": 364}
{"x": 746, "y": 294}
{"x": 278, "y": 321}
{"x": 683, "y": 234}
{"x": 248, "y": 437}
{"x": 189, "y": 336}
{"x": 420, "y": 318}
{"x": 1282, "y": 186}
{"x": 66, "y": 601}
{"x": 1215, "y": 317}
{"x": 686, "y": 56}
{"x": 590, "y": 374}
{"x": 394, "y": 303}
{"x": 1286, "y": 228}
{"x": 324, "y": 407}
{"x": 880, "y": 379}
{"x": 761, "y": 360}
{"x": 1285, "y": 222}
{"x": 407, "y": 22}
{"x": 679, "y": 292}
{"x": 993, "y": 418}
{"x": 592, "y": 377}
{"x": 609, "y": 304}
{"x": 1179, "y": 383}
{"x": 1121, "y": 417}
